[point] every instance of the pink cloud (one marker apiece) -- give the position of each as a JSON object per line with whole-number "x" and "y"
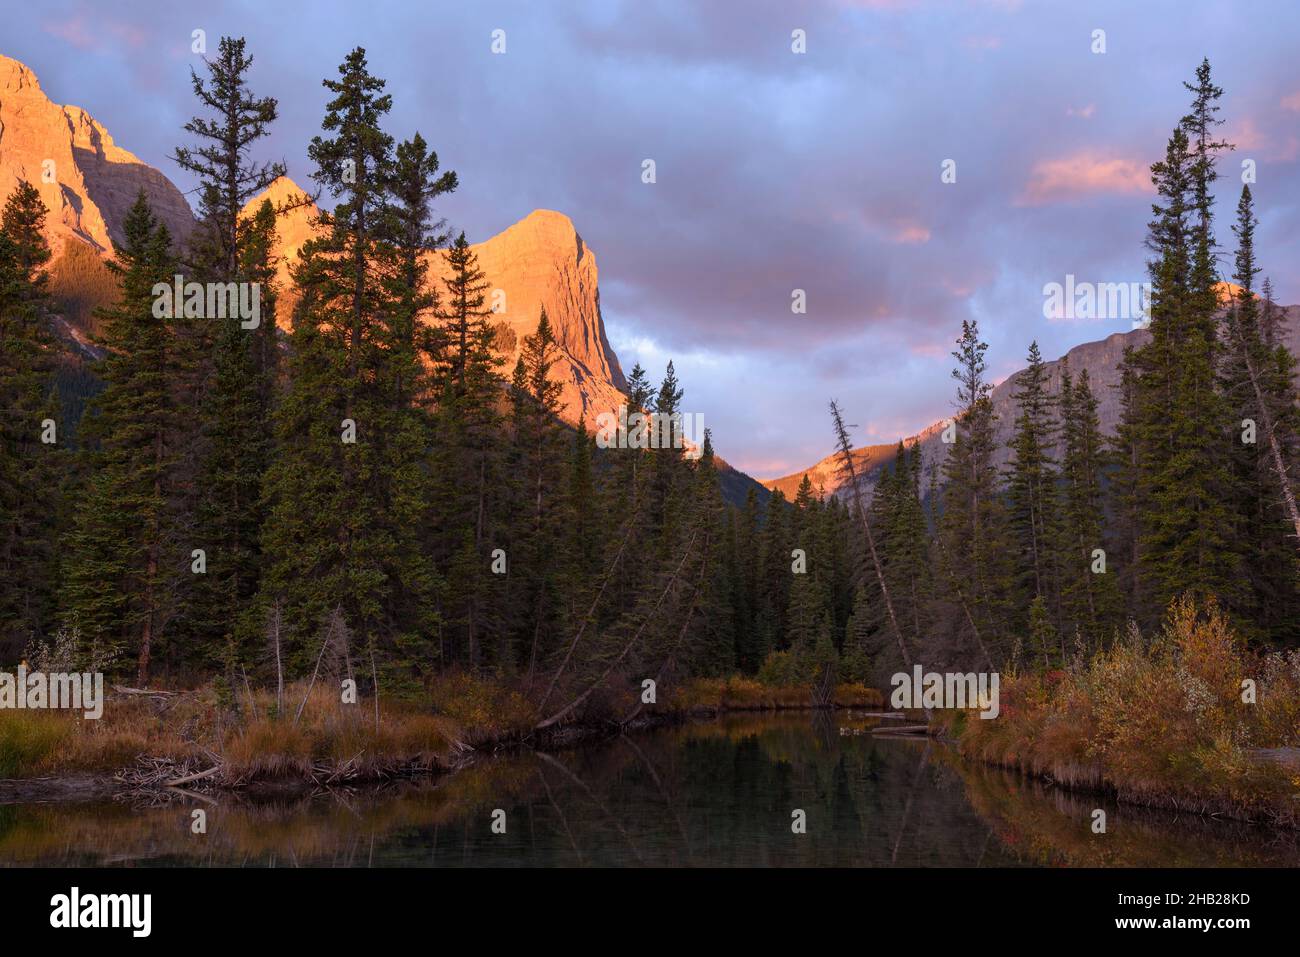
{"x": 1250, "y": 139}
{"x": 1071, "y": 177}
{"x": 1292, "y": 102}
{"x": 87, "y": 36}
{"x": 73, "y": 31}
{"x": 908, "y": 234}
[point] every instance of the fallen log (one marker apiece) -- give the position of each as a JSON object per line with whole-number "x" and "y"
{"x": 193, "y": 777}
{"x": 908, "y": 730}
{"x": 121, "y": 689}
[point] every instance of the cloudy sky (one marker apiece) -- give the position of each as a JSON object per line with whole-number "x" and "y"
{"x": 775, "y": 170}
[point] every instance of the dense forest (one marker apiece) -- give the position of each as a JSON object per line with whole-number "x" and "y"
{"x": 374, "y": 490}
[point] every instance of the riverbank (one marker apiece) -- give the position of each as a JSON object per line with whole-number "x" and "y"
{"x": 1188, "y": 720}
{"x": 202, "y": 739}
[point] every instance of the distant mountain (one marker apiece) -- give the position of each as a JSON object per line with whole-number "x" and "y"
{"x": 86, "y": 181}
{"x": 1100, "y": 358}
{"x": 88, "y": 184}
{"x": 539, "y": 262}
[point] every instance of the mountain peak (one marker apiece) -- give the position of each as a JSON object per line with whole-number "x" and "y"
{"x": 16, "y": 75}
{"x": 538, "y": 262}
{"x": 86, "y": 181}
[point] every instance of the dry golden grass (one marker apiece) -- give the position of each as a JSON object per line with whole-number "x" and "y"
{"x": 737, "y": 693}
{"x": 1161, "y": 723}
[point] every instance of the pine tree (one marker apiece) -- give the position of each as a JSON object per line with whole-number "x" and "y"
{"x": 1031, "y": 484}
{"x": 809, "y": 603}
{"x": 1090, "y": 598}
{"x": 1179, "y": 418}
{"x": 974, "y": 546}
{"x": 773, "y": 576}
{"x": 1258, "y": 384}
{"x": 29, "y": 465}
{"x": 746, "y": 564}
{"x": 125, "y": 563}
{"x": 666, "y": 458}
{"x": 469, "y": 455}
{"x": 230, "y": 513}
{"x": 539, "y": 454}
{"x": 1124, "y": 456}
{"x": 234, "y": 364}
{"x": 344, "y": 490}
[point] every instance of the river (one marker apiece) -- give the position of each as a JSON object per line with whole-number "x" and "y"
{"x": 721, "y": 792}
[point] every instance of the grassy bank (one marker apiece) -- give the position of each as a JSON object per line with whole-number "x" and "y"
{"x": 1162, "y": 721}
{"x": 237, "y": 738}
{"x": 716, "y": 695}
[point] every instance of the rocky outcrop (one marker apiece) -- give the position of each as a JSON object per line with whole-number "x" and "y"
{"x": 86, "y": 181}
{"x": 539, "y": 262}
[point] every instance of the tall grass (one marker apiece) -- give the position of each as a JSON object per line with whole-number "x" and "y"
{"x": 1164, "y": 721}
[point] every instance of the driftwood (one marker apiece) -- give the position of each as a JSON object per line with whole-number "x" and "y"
{"x": 152, "y": 778}
{"x": 121, "y": 689}
{"x": 189, "y": 778}
{"x": 907, "y": 730}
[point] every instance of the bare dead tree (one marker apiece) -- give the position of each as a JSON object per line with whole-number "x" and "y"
{"x": 591, "y": 612}
{"x": 374, "y": 677}
{"x": 844, "y": 449}
{"x": 274, "y": 620}
{"x": 627, "y": 647}
{"x": 671, "y": 658}
{"x": 1277, "y": 462}
{"x": 335, "y": 636}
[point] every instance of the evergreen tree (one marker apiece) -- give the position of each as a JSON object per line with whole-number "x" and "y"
{"x": 1090, "y": 598}
{"x": 469, "y": 455}
{"x": 539, "y": 454}
{"x": 345, "y": 489}
{"x": 974, "y": 546}
{"x": 227, "y": 177}
{"x": 237, "y": 454}
{"x": 1031, "y": 484}
{"x": 1257, "y": 379}
{"x": 1185, "y": 484}
{"x": 125, "y": 563}
{"x": 29, "y": 465}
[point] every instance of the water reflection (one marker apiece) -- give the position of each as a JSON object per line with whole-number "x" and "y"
{"x": 718, "y": 793}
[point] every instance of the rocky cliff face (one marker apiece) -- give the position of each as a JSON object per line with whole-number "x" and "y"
{"x": 539, "y": 262}
{"x": 1101, "y": 359}
{"x": 87, "y": 182}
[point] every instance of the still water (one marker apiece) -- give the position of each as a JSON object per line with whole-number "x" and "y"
{"x": 715, "y": 793}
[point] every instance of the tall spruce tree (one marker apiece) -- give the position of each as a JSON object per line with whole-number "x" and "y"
{"x": 343, "y": 492}
{"x": 469, "y": 455}
{"x": 1031, "y": 484}
{"x": 30, "y": 456}
{"x": 1091, "y": 604}
{"x": 126, "y": 564}
{"x": 1185, "y": 485}
{"x": 1257, "y": 379}
{"x": 978, "y": 575}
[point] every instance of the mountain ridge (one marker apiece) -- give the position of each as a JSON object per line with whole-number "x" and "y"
{"x": 88, "y": 184}
{"x": 1100, "y": 358}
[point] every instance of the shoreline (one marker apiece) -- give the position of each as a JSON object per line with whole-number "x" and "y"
{"x": 77, "y": 786}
